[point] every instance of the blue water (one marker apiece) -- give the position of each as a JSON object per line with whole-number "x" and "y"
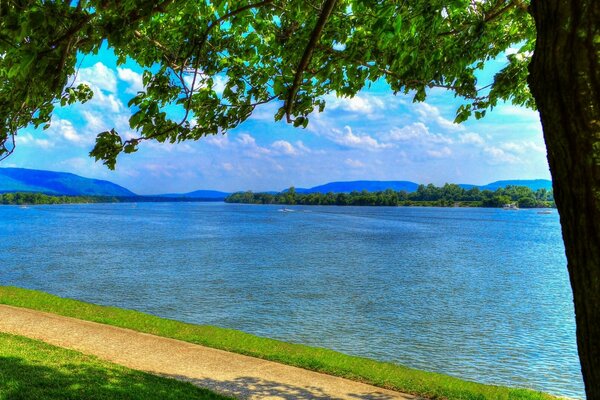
{"x": 481, "y": 294}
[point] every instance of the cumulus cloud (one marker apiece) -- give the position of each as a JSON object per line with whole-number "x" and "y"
{"x": 496, "y": 155}
{"x": 416, "y": 132}
{"x": 361, "y": 104}
{"x": 284, "y": 147}
{"x": 132, "y": 78}
{"x": 99, "y": 76}
{"x": 350, "y": 139}
{"x": 525, "y": 147}
{"x": 471, "y": 138}
{"x": 429, "y": 113}
{"x": 220, "y": 141}
{"x": 250, "y": 147}
{"x": 27, "y": 139}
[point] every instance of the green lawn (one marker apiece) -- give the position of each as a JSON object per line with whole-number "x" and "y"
{"x": 388, "y": 375}
{"x": 30, "y": 369}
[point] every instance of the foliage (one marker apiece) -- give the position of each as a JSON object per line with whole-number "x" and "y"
{"x": 448, "y": 195}
{"x": 33, "y": 370}
{"x": 427, "y": 384}
{"x": 40, "y": 198}
{"x": 290, "y": 52}
{"x": 26, "y": 198}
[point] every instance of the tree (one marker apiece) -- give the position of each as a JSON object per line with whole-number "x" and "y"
{"x": 294, "y": 51}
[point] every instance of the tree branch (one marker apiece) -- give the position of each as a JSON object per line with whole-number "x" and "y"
{"x": 305, "y": 60}
{"x": 495, "y": 13}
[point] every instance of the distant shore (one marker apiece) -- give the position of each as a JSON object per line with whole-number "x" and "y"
{"x": 28, "y": 199}
{"x": 449, "y": 195}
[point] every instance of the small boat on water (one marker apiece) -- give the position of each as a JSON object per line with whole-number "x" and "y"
{"x": 511, "y": 206}
{"x": 286, "y": 210}
{"x": 545, "y": 212}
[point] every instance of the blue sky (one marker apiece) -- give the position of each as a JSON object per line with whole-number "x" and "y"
{"x": 374, "y": 136}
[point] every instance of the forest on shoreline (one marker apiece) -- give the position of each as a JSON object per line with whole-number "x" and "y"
{"x": 449, "y": 195}
{"x": 26, "y": 198}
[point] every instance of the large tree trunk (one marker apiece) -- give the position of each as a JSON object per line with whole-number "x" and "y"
{"x": 565, "y": 81}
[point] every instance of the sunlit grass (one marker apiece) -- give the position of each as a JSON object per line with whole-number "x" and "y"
{"x": 30, "y": 369}
{"x": 388, "y": 375}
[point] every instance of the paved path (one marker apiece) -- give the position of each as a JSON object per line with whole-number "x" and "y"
{"x": 228, "y": 373}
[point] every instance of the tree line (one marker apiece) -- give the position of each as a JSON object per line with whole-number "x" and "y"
{"x": 449, "y": 195}
{"x": 22, "y": 198}
{"x": 31, "y": 198}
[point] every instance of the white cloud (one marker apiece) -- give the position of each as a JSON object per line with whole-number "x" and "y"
{"x": 94, "y": 121}
{"x": 132, "y": 78}
{"x": 252, "y": 149}
{"x": 350, "y": 139}
{"x": 246, "y": 140}
{"x": 510, "y": 110}
{"x": 429, "y": 113}
{"x": 523, "y": 147}
{"x": 498, "y": 156}
{"x": 27, "y": 139}
{"x": 284, "y": 147}
{"x": 300, "y": 145}
{"x": 362, "y": 104}
{"x": 443, "y": 152}
{"x": 63, "y": 130}
{"x": 220, "y": 141}
{"x": 354, "y": 163}
{"x": 471, "y": 138}
{"x": 416, "y": 132}
{"x": 99, "y": 76}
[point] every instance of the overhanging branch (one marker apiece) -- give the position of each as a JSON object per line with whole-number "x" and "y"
{"x": 308, "y": 52}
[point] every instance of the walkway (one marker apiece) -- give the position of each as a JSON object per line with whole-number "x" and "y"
{"x": 232, "y": 374}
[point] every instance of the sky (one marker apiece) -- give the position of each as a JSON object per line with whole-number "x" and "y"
{"x": 373, "y": 136}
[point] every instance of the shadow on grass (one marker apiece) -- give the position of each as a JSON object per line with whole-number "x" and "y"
{"x": 244, "y": 387}
{"x": 23, "y": 379}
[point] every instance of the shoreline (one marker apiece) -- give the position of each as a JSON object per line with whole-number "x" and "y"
{"x": 381, "y": 374}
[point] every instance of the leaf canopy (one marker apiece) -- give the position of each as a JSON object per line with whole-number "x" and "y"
{"x": 292, "y": 52}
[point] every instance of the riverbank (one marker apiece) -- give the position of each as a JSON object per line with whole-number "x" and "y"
{"x": 449, "y": 195}
{"x": 226, "y": 373}
{"x": 385, "y": 375}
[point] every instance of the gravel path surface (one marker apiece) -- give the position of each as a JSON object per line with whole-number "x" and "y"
{"x": 232, "y": 374}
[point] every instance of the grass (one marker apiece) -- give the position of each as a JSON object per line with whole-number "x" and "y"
{"x": 30, "y": 369}
{"x": 387, "y": 375}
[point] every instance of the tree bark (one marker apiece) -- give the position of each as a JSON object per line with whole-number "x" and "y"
{"x": 565, "y": 81}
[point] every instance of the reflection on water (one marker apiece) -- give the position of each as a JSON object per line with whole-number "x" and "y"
{"x": 482, "y": 294}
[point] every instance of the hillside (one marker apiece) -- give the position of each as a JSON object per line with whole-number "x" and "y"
{"x": 198, "y": 194}
{"x": 533, "y": 184}
{"x": 370, "y": 186}
{"x": 407, "y": 186}
{"x": 56, "y": 183}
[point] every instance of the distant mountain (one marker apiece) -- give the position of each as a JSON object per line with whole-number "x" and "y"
{"x": 376, "y": 186}
{"x": 198, "y": 194}
{"x": 57, "y": 183}
{"x": 371, "y": 186}
{"x": 533, "y": 184}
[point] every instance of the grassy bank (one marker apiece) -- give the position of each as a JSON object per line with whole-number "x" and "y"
{"x": 427, "y": 384}
{"x": 30, "y": 369}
